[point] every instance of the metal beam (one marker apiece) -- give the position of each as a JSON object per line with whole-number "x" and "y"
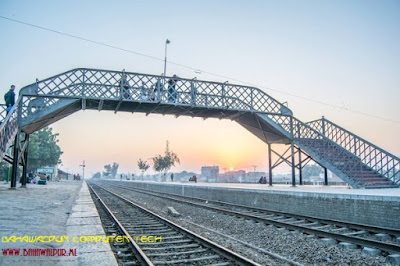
{"x": 152, "y": 109}
{"x": 281, "y": 159}
{"x": 188, "y": 111}
{"x": 293, "y": 168}
{"x": 25, "y": 159}
{"x": 84, "y": 104}
{"x": 205, "y": 110}
{"x": 263, "y": 132}
{"x": 171, "y": 107}
{"x": 270, "y": 164}
{"x": 300, "y": 168}
{"x": 100, "y": 105}
{"x": 137, "y": 106}
{"x": 325, "y": 176}
{"x": 14, "y": 172}
{"x": 237, "y": 114}
{"x": 116, "y": 109}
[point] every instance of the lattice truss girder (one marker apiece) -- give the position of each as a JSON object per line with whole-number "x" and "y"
{"x": 90, "y": 83}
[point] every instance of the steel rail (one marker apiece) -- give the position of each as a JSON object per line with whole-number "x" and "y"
{"x": 370, "y": 228}
{"x": 352, "y": 239}
{"x": 143, "y": 259}
{"x": 222, "y": 251}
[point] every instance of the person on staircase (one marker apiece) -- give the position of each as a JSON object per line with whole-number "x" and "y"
{"x": 9, "y": 98}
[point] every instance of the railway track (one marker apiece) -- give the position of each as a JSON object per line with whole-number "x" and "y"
{"x": 154, "y": 240}
{"x": 379, "y": 239}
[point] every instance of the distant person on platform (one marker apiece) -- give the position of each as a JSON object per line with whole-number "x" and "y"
{"x": 172, "y": 177}
{"x": 9, "y": 98}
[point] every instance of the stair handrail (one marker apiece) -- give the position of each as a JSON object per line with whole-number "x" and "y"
{"x": 301, "y": 132}
{"x": 388, "y": 165}
{"x": 9, "y": 128}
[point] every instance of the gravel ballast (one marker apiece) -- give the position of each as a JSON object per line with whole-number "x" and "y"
{"x": 301, "y": 248}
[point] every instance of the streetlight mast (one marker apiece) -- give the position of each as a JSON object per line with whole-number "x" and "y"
{"x": 165, "y": 60}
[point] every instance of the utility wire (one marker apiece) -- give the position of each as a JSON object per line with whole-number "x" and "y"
{"x": 197, "y": 70}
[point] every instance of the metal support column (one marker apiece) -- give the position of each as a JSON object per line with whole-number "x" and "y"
{"x": 300, "y": 168}
{"x": 25, "y": 164}
{"x": 14, "y": 170}
{"x": 293, "y": 165}
{"x": 325, "y": 176}
{"x": 270, "y": 164}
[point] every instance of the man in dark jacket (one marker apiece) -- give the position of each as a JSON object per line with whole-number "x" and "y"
{"x": 9, "y": 98}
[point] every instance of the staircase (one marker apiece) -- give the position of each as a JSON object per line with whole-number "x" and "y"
{"x": 365, "y": 163}
{"x": 344, "y": 164}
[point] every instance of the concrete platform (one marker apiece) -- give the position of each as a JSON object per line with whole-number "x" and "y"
{"x": 62, "y": 209}
{"x": 339, "y": 190}
{"x": 378, "y": 207}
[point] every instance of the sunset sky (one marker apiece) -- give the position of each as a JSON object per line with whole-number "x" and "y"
{"x": 340, "y": 59}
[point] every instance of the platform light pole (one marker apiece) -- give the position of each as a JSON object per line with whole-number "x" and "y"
{"x": 83, "y": 169}
{"x": 165, "y": 60}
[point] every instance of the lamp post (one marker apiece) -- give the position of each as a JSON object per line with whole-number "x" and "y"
{"x": 83, "y": 169}
{"x": 165, "y": 61}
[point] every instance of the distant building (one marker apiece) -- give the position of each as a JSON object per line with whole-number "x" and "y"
{"x": 232, "y": 176}
{"x": 210, "y": 172}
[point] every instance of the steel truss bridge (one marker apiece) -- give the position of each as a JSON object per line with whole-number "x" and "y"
{"x": 355, "y": 160}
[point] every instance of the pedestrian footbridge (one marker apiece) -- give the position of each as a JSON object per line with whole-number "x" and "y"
{"x": 355, "y": 160}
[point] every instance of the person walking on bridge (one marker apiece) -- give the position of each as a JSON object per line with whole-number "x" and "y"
{"x": 9, "y": 98}
{"x": 124, "y": 87}
{"x": 172, "y": 94}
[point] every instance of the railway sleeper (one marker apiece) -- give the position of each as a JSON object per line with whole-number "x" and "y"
{"x": 297, "y": 222}
{"x": 145, "y": 223}
{"x": 219, "y": 264}
{"x": 129, "y": 263}
{"x": 356, "y": 233}
{"x": 325, "y": 226}
{"x": 173, "y": 237}
{"x": 182, "y": 253}
{"x": 286, "y": 220}
{"x": 124, "y": 250}
{"x": 213, "y": 257}
{"x": 166, "y": 243}
{"x": 155, "y": 226}
{"x": 126, "y": 256}
{"x": 312, "y": 224}
{"x": 172, "y": 248}
{"x": 340, "y": 229}
{"x": 167, "y": 231}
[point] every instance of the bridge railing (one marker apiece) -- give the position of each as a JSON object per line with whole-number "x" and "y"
{"x": 383, "y": 162}
{"x": 310, "y": 137}
{"x": 104, "y": 84}
{"x": 8, "y": 127}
